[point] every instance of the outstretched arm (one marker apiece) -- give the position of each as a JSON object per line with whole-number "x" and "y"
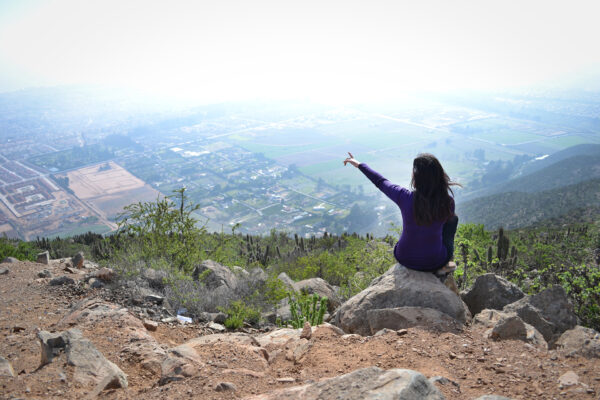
{"x": 394, "y": 192}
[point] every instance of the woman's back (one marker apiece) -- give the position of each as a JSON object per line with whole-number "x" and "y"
{"x": 420, "y": 246}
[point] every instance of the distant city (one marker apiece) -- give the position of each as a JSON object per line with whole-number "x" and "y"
{"x": 69, "y": 164}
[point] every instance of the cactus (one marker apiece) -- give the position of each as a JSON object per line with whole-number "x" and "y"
{"x": 503, "y": 245}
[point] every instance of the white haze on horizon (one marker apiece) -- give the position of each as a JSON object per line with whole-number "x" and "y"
{"x": 321, "y": 50}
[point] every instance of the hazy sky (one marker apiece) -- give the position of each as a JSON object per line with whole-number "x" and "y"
{"x": 220, "y": 50}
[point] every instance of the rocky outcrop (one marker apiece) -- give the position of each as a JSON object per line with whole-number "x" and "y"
{"x": 549, "y": 311}
{"x": 492, "y": 292}
{"x": 90, "y": 367}
{"x": 215, "y": 276}
{"x": 580, "y": 341}
{"x": 367, "y": 384}
{"x": 184, "y": 361}
{"x": 399, "y": 287}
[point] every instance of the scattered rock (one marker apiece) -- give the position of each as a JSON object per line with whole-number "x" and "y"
{"x": 6, "y": 368}
{"x": 367, "y": 384}
{"x": 43, "y": 258}
{"x": 580, "y": 341}
{"x": 320, "y": 287}
{"x": 492, "y": 292}
{"x": 225, "y": 387}
{"x": 398, "y": 287}
{"x": 10, "y": 260}
{"x": 549, "y": 311}
{"x": 150, "y": 325}
{"x": 4, "y": 271}
{"x": 306, "y": 331}
{"x": 492, "y": 397}
{"x": 61, "y": 280}
{"x": 77, "y": 260}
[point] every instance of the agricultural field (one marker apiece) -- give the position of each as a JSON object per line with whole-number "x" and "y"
{"x": 108, "y": 188}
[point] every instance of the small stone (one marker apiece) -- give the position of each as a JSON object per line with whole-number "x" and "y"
{"x": 95, "y": 283}
{"x": 569, "y": 378}
{"x": 62, "y": 377}
{"x": 4, "y": 271}
{"x": 225, "y": 387}
{"x": 154, "y": 298}
{"x": 287, "y": 379}
{"x": 44, "y": 274}
{"x": 62, "y": 280}
{"x": 71, "y": 270}
{"x": 18, "y": 328}
{"x": 306, "y": 331}
{"x": 78, "y": 260}
{"x": 216, "y": 327}
{"x": 43, "y": 258}
{"x": 402, "y": 332}
{"x": 5, "y": 368}
{"x": 151, "y": 325}
{"x": 10, "y": 260}
{"x": 105, "y": 274}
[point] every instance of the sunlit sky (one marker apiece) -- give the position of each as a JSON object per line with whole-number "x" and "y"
{"x": 232, "y": 50}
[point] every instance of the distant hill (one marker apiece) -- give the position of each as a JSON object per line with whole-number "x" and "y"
{"x": 566, "y": 167}
{"x": 519, "y": 209}
{"x": 574, "y": 151}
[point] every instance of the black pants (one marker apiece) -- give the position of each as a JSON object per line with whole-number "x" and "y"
{"x": 448, "y": 232}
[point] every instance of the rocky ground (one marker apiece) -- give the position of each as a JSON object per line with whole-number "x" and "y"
{"x": 69, "y": 341}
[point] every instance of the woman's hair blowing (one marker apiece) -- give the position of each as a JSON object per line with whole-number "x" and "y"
{"x": 432, "y": 201}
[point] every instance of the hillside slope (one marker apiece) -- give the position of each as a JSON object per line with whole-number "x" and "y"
{"x": 519, "y": 209}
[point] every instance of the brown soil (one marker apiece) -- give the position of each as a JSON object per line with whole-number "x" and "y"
{"x": 477, "y": 366}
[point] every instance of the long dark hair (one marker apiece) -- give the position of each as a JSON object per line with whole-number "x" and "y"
{"x": 432, "y": 201}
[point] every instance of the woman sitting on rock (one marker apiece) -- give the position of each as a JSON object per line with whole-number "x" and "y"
{"x": 428, "y": 219}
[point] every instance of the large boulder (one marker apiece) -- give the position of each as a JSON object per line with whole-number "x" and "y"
{"x": 215, "y": 276}
{"x": 320, "y": 287}
{"x": 492, "y": 292}
{"x": 287, "y": 281}
{"x": 580, "y": 341}
{"x": 399, "y": 287}
{"x": 10, "y": 260}
{"x": 549, "y": 311}
{"x": 409, "y": 317}
{"x": 366, "y": 384}
{"x": 507, "y": 325}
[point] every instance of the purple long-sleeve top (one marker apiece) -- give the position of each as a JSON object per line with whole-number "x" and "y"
{"x": 419, "y": 247}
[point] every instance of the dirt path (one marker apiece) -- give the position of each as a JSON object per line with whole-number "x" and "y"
{"x": 474, "y": 365}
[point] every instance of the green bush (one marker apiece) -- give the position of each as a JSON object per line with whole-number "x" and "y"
{"x": 238, "y": 313}
{"x": 309, "y": 308}
{"x": 17, "y": 249}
